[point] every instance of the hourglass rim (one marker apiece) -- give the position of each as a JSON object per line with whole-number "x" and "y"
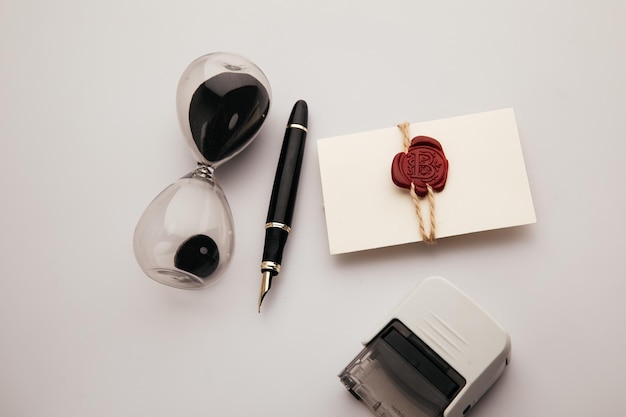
{"x": 178, "y": 278}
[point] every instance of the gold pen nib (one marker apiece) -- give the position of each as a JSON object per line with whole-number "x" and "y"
{"x": 266, "y": 283}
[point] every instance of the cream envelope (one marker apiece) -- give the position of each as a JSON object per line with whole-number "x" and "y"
{"x": 487, "y": 186}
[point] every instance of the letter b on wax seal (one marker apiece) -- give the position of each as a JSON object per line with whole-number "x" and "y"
{"x": 423, "y": 164}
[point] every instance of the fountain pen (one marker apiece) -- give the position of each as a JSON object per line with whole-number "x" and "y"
{"x": 283, "y": 200}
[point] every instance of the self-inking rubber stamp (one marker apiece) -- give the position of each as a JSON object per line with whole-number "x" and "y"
{"x": 434, "y": 355}
{"x": 185, "y": 237}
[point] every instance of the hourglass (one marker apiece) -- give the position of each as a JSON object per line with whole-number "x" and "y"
{"x": 185, "y": 237}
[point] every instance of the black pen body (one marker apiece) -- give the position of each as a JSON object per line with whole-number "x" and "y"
{"x": 285, "y": 188}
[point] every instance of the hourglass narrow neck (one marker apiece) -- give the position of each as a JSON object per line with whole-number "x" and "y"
{"x": 204, "y": 171}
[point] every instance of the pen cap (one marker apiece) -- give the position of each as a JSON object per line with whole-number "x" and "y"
{"x": 222, "y": 101}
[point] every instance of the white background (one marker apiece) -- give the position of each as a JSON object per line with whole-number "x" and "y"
{"x": 89, "y": 135}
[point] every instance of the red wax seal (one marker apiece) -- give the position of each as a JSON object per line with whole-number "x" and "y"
{"x": 423, "y": 164}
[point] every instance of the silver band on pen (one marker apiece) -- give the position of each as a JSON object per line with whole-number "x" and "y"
{"x": 297, "y": 126}
{"x": 278, "y": 225}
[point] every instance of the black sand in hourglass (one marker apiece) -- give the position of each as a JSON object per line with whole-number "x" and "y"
{"x": 225, "y": 112}
{"x": 199, "y": 255}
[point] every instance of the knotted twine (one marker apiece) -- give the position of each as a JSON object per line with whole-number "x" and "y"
{"x": 427, "y": 237}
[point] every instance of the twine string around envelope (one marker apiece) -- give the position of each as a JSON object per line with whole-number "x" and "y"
{"x": 423, "y": 164}
{"x": 429, "y": 237}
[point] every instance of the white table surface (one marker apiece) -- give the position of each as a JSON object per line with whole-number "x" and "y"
{"x": 89, "y": 135}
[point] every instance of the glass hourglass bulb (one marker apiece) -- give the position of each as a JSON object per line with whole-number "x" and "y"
{"x": 222, "y": 101}
{"x": 185, "y": 237}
